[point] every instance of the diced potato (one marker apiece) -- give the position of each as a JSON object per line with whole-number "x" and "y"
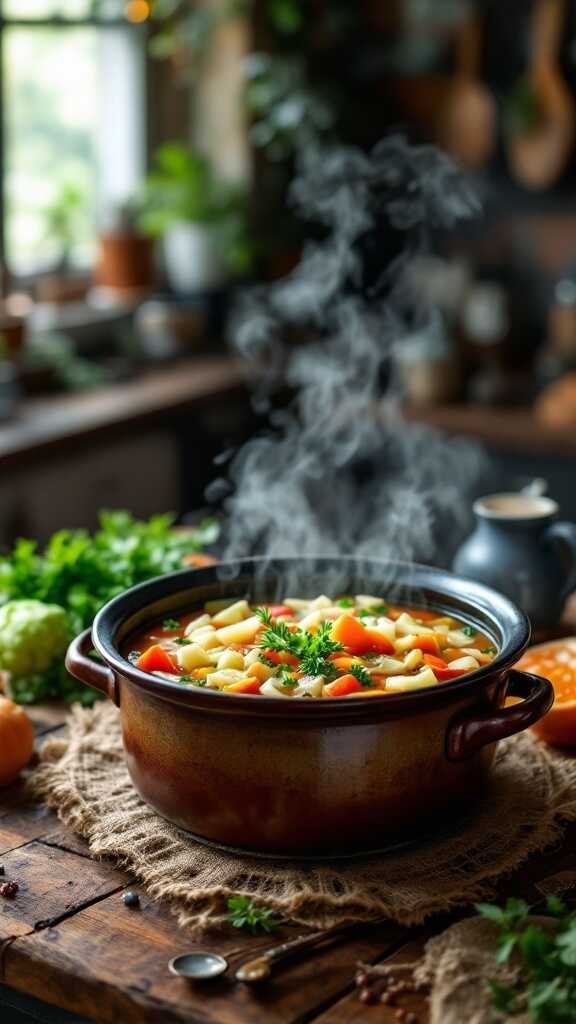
{"x": 311, "y": 686}
{"x": 443, "y": 622}
{"x": 226, "y": 676}
{"x": 233, "y": 613}
{"x": 215, "y": 653}
{"x": 404, "y": 643}
{"x": 456, "y": 638}
{"x": 385, "y": 666}
{"x": 202, "y": 620}
{"x": 231, "y": 659}
{"x": 407, "y": 626}
{"x": 273, "y": 689}
{"x": 367, "y": 601}
{"x": 251, "y": 657}
{"x": 192, "y": 656}
{"x": 467, "y": 664}
{"x": 480, "y": 656}
{"x": 297, "y": 604}
{"x": 386, "y": 626}
{"x": 424, "y": 678}
{"x": 321, "y": 602}
{"x": 413, "y": 659}
{"x": 312, "y": 621}
{"x": 240, "y": 633}
{"x": 207, "y": 638}
{"x": 215, "y": 607}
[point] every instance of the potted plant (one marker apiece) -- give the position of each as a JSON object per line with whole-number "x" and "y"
{"x": 201, "y": 220}
{"x": 62, "y": 228}
{"x": 125, "y": 261}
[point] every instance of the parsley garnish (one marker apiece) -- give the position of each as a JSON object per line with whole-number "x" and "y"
{"x": 361, "y": 674}
{"x": 170, "y": 624}
{"x": 345, "y": 602}
{"x": 243, "y": 914}
{"x": 182, "y": 641}
{"x": 546, "y": 990}
{"x": 375, "y": 609}
{"x": 488, "y": 650}
{"x": 469, "y": 630}
{"x": 311, "y": 649}
{"x": 267, "y": 661}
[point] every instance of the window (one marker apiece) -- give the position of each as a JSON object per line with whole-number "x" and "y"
{"x": 72, "y": 94}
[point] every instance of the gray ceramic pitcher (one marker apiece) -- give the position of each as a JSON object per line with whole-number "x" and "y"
{"x": 519, "y": 548}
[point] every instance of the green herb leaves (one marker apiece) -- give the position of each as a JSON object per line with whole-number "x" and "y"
{"x": 311, "y": 649}
{"x": 170, "y": 624}
{"x": 469, "y": 631}
{"x": 243, "y": 914}
{"x": 361, "y": 674}
{"x": 547, "y": 989}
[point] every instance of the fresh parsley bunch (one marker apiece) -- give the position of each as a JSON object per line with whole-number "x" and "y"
{"x": 547, "y": 990}
{"x": 242, "y": 913}
{"x": 311, "y": 649}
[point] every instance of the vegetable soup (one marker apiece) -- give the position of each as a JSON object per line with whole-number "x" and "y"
{"x": 351, "y": 646}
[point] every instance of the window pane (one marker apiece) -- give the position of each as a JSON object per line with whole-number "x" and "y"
{"x": 62, "y": 8}
{"x": 51, "y": 137}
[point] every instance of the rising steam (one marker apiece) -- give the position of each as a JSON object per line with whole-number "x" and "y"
{"x": 339, "y": 471}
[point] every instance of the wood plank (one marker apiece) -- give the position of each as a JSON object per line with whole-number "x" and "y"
{"x": 75, "y": 965}
{"x": 52, "y": 885}
{"x": 47, "y": 717}
{"x": 515, "y": 430}
{"x": 46, "y": 424}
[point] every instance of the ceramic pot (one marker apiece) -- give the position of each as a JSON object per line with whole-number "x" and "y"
{"x": 520, "y": 549}
{"x": 311, "y": 777}
{"x": 192, "y": 258}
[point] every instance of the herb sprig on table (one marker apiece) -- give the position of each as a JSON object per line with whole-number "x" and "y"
{"x": 546, "y": 991}
{"x": 311, "y": 649}
{"x": 81, "y": 571}
{"x": 242, "y": 913}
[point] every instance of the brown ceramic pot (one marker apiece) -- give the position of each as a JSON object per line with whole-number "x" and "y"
{"x": 301, "y": 776}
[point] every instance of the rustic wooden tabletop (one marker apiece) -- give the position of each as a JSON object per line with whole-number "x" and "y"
{"x": 68, "y": 939}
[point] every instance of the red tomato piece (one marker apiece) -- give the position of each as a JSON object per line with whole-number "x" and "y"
{"x": 156, "y": 659}
{"x": 343, "y": 686}
{"x": 280, "y": 611}
{"x": 442, "y": 670}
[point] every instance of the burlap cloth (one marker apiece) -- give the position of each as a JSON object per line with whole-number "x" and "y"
{"x": 85, "y": 779}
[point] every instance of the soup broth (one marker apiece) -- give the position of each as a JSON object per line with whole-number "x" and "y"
{"x": 353, "y": 646}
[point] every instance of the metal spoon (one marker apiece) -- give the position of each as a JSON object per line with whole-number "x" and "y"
{"x": 200, "y": 966}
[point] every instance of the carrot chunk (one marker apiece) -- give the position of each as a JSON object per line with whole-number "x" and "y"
{"x": 441, "y": 668}
{"x": 343, "y": 686}
{"x": 280, "y": 611}
{"x": 357, "y": 639}
{"x": 281, "y": 658}
{"x": 156, "y": 659}
{"x": 250, "y": 685}
{"x": 428, "y": 644}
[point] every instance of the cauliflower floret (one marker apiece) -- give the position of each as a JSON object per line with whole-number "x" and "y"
{"x": 33, "y": 636}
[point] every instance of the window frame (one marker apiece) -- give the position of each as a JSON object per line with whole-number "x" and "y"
{"x": 31, "y": 23}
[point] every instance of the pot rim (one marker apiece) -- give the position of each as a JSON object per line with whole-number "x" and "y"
{"x": 472, "y": 600}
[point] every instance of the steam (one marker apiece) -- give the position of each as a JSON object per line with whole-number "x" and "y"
{"x": 339, "y": 472}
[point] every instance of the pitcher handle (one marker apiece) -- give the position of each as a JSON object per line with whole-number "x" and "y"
{"x": 564, "y": 535}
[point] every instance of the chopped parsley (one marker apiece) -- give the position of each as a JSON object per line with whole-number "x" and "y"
{"x": 170, "y": 624}
{"x": 345, "y": 602}
{"x": 311, "y": 649}
{"x": 267, "y": 661}
{"x": 375, "y": 609}
{"x": 469, "y": 631}
{"x": 488, "y": 650}
{"x": 243, "y": 914}
{"x": 182, "y": 641}
{"x": 361, "y": 674}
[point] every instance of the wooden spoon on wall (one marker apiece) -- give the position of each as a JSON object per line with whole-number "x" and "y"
{"x": 538, "y": 155}
{"x": 466, "y": 124}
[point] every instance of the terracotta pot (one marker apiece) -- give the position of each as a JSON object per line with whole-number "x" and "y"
{"x": 125, "y": 261}
{"x": 308, "y": 777}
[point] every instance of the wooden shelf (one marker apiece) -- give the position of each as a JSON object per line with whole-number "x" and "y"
{"x": 64, "y": 420}
{"x": 513, "y": 430}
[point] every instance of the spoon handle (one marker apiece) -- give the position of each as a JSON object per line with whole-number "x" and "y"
{"x": 260, "y": 967}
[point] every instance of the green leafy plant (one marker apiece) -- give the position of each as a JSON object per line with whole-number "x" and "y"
{"x": 546, "y": 991}
{"x": 242, "y": 913}
{"x": 80, "y": 572}
{"x": 62, "y": 220}
{"x": 182, "y": 187}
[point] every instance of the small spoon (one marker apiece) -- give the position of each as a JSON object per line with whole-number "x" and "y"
{"x": 260, "y": 968}
{"x": 200, "y": 966}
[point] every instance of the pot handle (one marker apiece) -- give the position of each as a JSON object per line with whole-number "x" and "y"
{"x": 468, "y": 734}
{"x": 88, "y": 671}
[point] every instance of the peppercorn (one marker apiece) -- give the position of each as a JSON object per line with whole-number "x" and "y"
{"x": 367, "y": 996}
{"x": 388, "y": 998}
{"x": 131, "y": 899}
{"x": 8, "y": 889}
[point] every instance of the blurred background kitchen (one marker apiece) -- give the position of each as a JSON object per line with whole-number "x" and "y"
{"x": 146, "y": 151}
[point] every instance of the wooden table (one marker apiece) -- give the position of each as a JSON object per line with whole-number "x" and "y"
{"x": 68, "y": 939}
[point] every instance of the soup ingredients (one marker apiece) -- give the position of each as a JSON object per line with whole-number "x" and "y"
{"x": 242, "y": 913}
{"x": 546, "y": 989}
{"x": 556, "y": 661}
{"x": 80, "y": 572}
{"x": 349, "y": 647}
{"x": 16, "y": 740}
{"x": 33, "y": 636}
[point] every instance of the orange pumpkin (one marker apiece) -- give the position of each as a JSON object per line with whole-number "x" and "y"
{"x": 16, "y": 740}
